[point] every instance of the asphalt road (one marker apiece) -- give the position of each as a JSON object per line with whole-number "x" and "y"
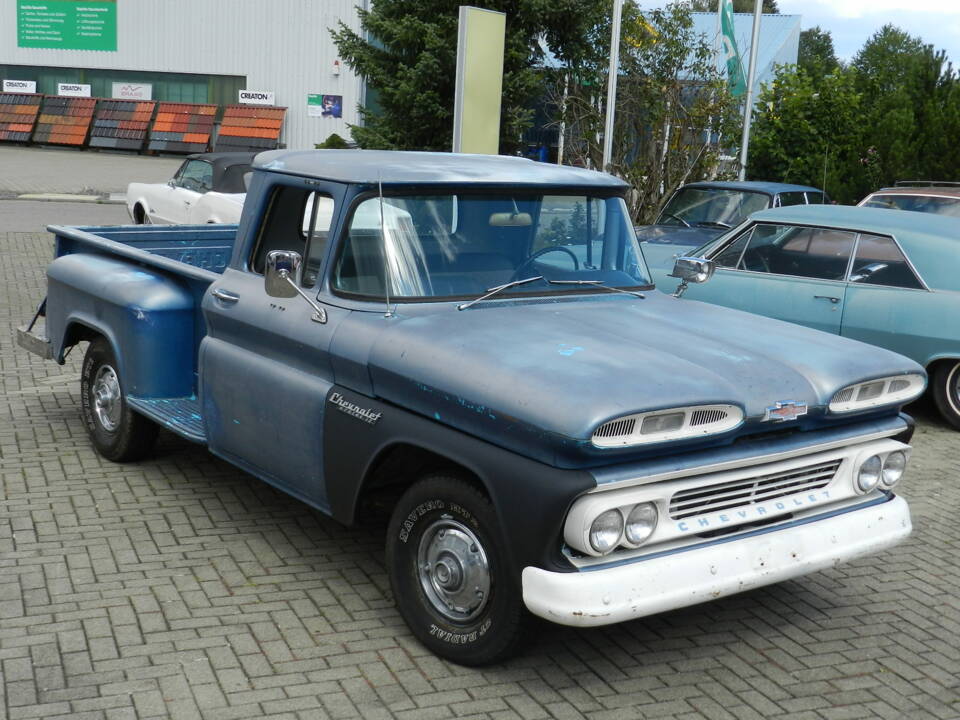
{"x": 180, "y": 587}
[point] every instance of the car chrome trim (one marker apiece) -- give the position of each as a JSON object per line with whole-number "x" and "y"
{"x": 743, "y": 462}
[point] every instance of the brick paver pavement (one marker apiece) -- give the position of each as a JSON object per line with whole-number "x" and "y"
{"x": 181, "y": 587}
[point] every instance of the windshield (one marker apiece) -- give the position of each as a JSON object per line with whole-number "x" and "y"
{"x": 460, "y": 246}
{"x": 917, "y": 203}
{"x": 706, "y": 207}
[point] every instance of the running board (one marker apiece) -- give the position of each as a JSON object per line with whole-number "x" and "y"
{"x": 34, "y": 343}
{"x": 180, "y": 415}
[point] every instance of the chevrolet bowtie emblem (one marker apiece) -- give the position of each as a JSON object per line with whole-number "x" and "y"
{"x": 785, "y": 410}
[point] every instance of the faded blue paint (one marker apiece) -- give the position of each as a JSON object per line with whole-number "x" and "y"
{"x": 535, "y": 375}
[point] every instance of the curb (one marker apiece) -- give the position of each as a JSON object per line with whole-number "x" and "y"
{"x": 107, "y": 199}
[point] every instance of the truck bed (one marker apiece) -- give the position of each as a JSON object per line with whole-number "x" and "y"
{"x": 181, "y": 249}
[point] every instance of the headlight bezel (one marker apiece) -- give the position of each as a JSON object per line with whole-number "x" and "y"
{"x": 848, "y": 398}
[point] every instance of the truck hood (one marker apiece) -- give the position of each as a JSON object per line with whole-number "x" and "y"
{"x": 529, "y": 374}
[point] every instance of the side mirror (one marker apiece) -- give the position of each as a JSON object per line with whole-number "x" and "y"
{"x": 693, "y": 270}
{"x": 281, "y": 276}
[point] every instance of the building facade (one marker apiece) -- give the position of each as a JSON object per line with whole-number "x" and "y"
{"x": 199, "y": 51}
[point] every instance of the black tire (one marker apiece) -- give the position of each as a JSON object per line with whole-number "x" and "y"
{"x": 946, "y": 391}
{"x": 116, "y": 431}
{"x": 493, "y": 628}
{"x": 140, "y": 216}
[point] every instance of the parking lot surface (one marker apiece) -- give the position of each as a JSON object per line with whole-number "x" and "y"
{"x": 181, "y": 587}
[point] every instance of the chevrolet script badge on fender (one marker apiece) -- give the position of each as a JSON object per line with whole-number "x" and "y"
{"x": 785, "y": 410}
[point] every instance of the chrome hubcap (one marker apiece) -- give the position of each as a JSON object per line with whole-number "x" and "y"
{"x": 453, "y": 570}
{"x": 106, "y": 398}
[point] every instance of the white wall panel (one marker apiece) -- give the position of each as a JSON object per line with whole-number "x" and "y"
{"x": 283, "y": 46}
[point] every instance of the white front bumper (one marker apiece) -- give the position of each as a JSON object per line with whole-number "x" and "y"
{"x": 687, "y": 577}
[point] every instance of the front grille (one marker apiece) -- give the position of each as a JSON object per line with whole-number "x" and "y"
{"x": 706, "y": 417}
{"x": 747, "y": 491}
{"x": 616, "y": 428}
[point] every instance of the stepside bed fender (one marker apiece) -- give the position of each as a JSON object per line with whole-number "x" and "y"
{"x": 145, "y": 315}
{"x": 531, "y": 499}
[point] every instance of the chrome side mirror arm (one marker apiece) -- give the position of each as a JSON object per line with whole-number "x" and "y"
{"x": 281, "y": 279}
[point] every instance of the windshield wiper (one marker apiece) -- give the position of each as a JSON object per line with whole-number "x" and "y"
{"x": 599, "y": 284}
{"x": 712, "y": 223}
{"x": 498, "y": 288}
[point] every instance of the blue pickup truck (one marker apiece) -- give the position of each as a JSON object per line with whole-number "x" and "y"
{"x": 474, "y": 342}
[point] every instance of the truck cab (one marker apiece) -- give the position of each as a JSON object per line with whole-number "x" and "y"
{"x": 474, "y": 342}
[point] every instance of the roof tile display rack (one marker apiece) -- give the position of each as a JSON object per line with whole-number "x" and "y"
{"x": 18, "y": 115}
{"x": 121, "y": 124}
{"x": 250, "y": 128}
{"x": 64, "y": 120}
{"x": 182, "y": 127}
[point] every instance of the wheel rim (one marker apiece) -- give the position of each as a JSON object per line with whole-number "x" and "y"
{"x": 107, "y": 404}
{"x": 953, "y": 388}
{"x": 453, "y": 570}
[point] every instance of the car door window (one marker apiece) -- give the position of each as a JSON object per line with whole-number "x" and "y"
{"x": 730, "y": 256}
{"x": 196, "y": 175}
{"x": 879, "y": 261}
{"x": 819, "y": 253}
{"x": 786, "y": 199}
{"x": 287, "y": 227}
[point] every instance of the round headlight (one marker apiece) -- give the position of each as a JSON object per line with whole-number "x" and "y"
{"x": 893, "y": 468}
{"x": 869, "y": 474}
{"x": 606, "y": 530}
{"x": 640, "y": 523}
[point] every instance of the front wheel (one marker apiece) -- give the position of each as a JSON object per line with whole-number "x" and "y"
{"x": 116, "y": 431}
{"x": 946, "y": 392}
{"x": 449, "y": 574}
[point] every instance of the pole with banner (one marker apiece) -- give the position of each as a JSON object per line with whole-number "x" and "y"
{"x": 748, "y": 105}
{"x": 730, "y": 51}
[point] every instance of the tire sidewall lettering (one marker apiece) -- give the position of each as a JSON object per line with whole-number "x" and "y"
{"x": 460, "y": 638}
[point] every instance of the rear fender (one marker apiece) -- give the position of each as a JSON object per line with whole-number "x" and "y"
{"x": 146, "y": 316}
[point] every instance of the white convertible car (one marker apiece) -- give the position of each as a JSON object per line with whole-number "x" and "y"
{"x": 207, "y": 188}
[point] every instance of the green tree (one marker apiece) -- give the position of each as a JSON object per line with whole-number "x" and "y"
{"x": 674, "y": 112}
{"x": 810, "y": 134}
{"x": 816, "y": 55}
{"x": 739, "y": 6}
{"x": 407, "y": 55}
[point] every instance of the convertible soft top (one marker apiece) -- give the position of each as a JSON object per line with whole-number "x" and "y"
{"x": 228, "y": 169}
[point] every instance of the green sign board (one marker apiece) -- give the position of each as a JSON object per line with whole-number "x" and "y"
{"x": 67, "y": 24}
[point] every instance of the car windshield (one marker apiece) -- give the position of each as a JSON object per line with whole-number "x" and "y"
{"x": 917, "y": 203}
{"x": 460, "y": 246}
{"x": 711, "y": 207}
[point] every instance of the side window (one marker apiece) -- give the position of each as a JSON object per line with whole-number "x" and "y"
{"x": 286, "y": 226}
{"x": 819, "y": 253}
{"x": 729, "y": 257}
{"x": 196, "y": 175}
{"x": 816, "y": 198}
{"x": 786, "y": 199}
{"x": 880, "y": 262}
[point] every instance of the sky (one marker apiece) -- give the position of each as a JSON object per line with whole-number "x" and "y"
{"x": 852, "y": 22}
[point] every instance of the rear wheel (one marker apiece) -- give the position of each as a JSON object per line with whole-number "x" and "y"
{"x": 116, "y": 431}
{"x": 449, "y": 573}
{"x": 946, "y": 391}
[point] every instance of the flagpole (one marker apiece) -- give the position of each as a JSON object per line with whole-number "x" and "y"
{"x": 612, "y": 84}
{"x": 751, "y": 75}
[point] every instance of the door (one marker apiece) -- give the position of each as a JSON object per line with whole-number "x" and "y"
{"x": 265, "y": 366}
{"x": 195, "y": 180}
{"x": 163, "y": 198}
{"x": 783, "y": 271}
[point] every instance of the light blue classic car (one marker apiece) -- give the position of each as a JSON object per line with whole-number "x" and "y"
{"x": 885, "y": 277}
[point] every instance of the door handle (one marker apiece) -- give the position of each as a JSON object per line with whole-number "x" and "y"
{"x": 834, "y": 300}
{"x": 225, "y": 296}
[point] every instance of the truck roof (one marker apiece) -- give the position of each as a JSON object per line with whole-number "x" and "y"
{"x": 393, "y": 167}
